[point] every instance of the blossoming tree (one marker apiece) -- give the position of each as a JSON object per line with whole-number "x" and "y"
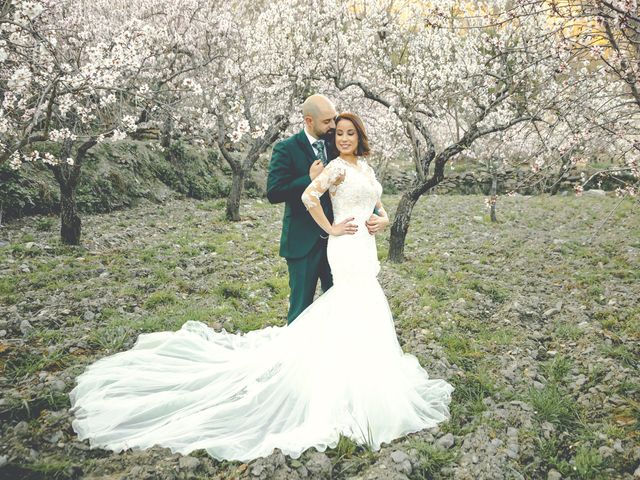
{"x": 450, "y": 75}
{"x": 250, "y": 100}
{"x": 602, "y": 36}
{"x": 74, "y": 75}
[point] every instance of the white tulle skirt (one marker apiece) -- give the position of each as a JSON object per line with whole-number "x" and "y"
{"x": 337, "y": 369}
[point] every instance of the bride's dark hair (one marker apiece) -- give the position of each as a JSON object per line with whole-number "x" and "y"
{"x": 363, "y": 149}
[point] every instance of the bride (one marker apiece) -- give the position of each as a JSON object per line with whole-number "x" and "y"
{"x": 337, "y": 370}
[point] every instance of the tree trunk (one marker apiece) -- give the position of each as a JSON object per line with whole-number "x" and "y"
{"x": 240, "y": 169}
{"x": 400, "y": 225}
{"x": 494, "y": 189}
{"x": 564, "y": 172}
{"x": 67, "y": 177}
{"x": 165, "y": 135}
{"x": 70, "y": 224}
{"x": 233, "y": 201}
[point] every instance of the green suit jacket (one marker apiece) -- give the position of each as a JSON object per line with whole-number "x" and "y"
{"x": 288, "y": 178}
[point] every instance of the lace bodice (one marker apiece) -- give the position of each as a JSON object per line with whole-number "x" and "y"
{"x": 354, "y": 189}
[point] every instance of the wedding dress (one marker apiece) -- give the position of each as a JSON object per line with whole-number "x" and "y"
{"x": 337, "y": 369}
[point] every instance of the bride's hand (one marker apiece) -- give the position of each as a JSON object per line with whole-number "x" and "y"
{"x": 344, "y": 228}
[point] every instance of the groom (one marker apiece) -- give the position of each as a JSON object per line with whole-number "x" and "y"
{"x": 295, "y": 162}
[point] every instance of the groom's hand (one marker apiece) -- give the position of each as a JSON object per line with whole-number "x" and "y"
{"x": 376, "y": 223}
{"x": 315, "y": 169}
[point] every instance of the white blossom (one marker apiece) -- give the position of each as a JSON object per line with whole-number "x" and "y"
{"x": 15, "y": 160}
{"x": 118, "y": 135}
{"x": 129, "y": 122}
{"x": 20, "y": 79}
{"x": 60, "y": 135}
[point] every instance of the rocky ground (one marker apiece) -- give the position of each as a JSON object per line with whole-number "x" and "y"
{"x": 535, "y": 320}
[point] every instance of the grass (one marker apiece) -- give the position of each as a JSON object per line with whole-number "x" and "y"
{"x": 232, "y": 276}
{"x": 51, "y": 469}
{"x": 627, "y": 323}
{"x": 468, "y": 401}
{"x": 595, "y": 375}
{"x": 497, "y": 336}
{"x": 24, "y": 363}
{"x": 16, "y": 408}
{"x": 589, "y": 463}
{"x": 495, "y": 292}
{"x": 119, "y": 332}
{"x": 552, "y": 453}
{"x": 567, "y": 331}
{"x": 557, "y": 368}
{"x": 278, "y": 287}
{"x": 346, "y": 448}
{"x": 460, "y": 350}
{"x": 347, "y": 457}
{"x": 622, "y": 353}
{"x": 160, "y": 298}
{"x": 232, "y": 290}
{"x": 110, "y": 338}
{"x": 552, "y": 404}
{"x": 431, "y": 459}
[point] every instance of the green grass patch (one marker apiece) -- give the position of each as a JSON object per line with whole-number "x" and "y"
{"x": 346, "y": 447}
{"x": 232, "y": 290}
{"x": 622, "y": 353}
{"x": 497, "y": 335}
{"x": 278, "y": 286}
{"x": 120, "y": 332}
{"x": 111, "y": 337}
{"x": 492, "y": 290}
{"x": 45, "y": 224}
{"x": 566, "y": 330}
{"x": 553, "y": 405}
{"x": 553, "y": 453}
{"x": 8, "y": 291}
{"x": 589, "y": 464}
{"x": 460, "y": 350}
{"x": 27, "y": 362}
{"x": 431, "y": 459}
{"x": 557, "y": 368}
{"x": 7, "y": 286}
{"x": 621, "y": 322}
{"x": 44, "y": 470}
{"x": 468, "y": 401}
{"x": 472, "y": 389}
{"x": 218, "y": 205}
{"x": 160, "y": 298}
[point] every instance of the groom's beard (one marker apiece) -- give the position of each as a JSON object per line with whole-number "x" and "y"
{"x": 328, "y": 135}
{"x": 330, "y": 142}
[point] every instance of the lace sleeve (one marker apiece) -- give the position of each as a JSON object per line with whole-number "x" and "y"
{"x": 329, "y": 179}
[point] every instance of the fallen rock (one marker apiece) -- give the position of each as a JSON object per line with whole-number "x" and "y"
{"x": 189, "y": 463}
{"x": 319, "y": 465}
{"x": 446, "y": 441}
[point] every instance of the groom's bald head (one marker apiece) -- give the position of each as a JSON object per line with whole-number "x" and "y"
{"x": 315, "y": 103}
{"x": 319, "y": 114}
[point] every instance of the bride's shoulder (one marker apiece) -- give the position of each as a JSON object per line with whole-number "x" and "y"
{"x": 336, "y": 169}
{"x": 336, "y": 164}
{"x": 364, "y": 164}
